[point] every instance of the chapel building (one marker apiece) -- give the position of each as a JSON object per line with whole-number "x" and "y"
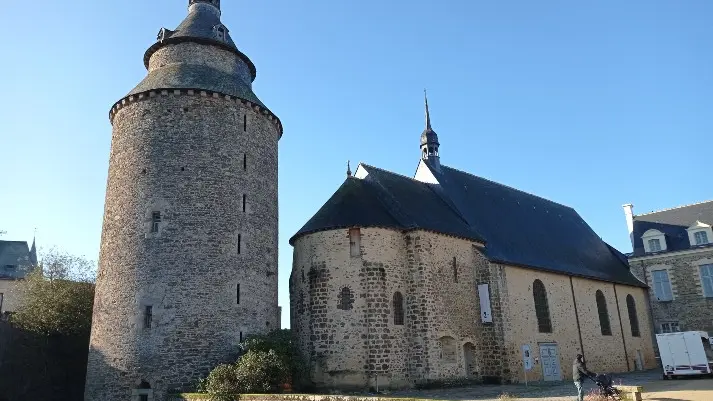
{"x": 398, "y": 281}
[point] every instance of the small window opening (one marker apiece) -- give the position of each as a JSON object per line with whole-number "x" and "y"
{"x": 241, "y": 336}
{"x": 237, "y": 295}
{"x": 240, "y": 240}
{"x": 148, "y": 316}
{"x": 244, "y": 200}
{"x": 245, "y": 161}
{"x": 398, "y": 309}
{"x": 144, "y": 397}
{"x": 455, "y": 270}
{"x": 220, "y": 31}
{"x": 245, "y": 122}
{"x": 346, "y": 299}
{"x": 354, "y": 242}
{"x": 155, "y": 221}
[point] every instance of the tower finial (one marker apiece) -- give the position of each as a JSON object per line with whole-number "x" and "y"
{"x": 428, "y": 115}
{"x": 349, "y": 170}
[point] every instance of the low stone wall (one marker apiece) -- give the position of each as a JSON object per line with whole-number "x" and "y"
{"x": 286, "y": 397}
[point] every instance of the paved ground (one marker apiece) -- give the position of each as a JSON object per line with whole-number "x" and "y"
{"x": 655, "y": 389}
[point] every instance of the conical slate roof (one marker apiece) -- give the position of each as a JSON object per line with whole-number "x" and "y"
{"x": 199, "y": 26}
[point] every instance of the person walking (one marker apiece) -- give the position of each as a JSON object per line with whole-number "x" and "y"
{"x": 579, "y": 372}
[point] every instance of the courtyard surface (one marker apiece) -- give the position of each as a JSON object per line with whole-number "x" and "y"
{"x": 655, "y": 389}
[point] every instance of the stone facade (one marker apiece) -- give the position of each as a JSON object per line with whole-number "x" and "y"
{"x": 689, "y": 309}
{"x": 9, "y": 297}
{"x": 443, "y": 336}
{"x": 188, "y": 258}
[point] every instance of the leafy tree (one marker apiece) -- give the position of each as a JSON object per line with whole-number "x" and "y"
{"x": 57, "y": 297}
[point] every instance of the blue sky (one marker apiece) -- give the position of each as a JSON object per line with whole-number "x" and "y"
{"x": 590, "y": 105}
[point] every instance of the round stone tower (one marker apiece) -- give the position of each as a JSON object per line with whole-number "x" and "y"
{"x": 188, "y": 259}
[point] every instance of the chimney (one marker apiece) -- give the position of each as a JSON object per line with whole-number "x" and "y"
{"x": 629, "y": 213}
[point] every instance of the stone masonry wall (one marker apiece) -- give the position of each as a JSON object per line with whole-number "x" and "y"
{"x": 436, "y": 305}
{"x": 10, "y": 296}
{"x": 690, "y": 308}
{"x": 604, "y": 354}
{"x": 190, "y": 158}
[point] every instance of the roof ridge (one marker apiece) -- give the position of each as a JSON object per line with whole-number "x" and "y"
{"x": 673, "y": 208}
{"x": 509, "y": 187}
{"x": 388, "y": 171}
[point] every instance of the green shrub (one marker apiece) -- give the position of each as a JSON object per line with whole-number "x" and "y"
{"x": 222, "y": 383}
{"x": 261, "y": 372}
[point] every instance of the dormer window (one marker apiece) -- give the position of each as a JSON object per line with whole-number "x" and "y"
{"x": 654, "y": 241}
{"x": 699, "y": 234}
{"x": 701, "y": 237}
{"x": 654, "y": 245}
{"x": 221, "y": 32}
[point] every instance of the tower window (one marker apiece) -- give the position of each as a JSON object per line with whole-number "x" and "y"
{"x": 245, "y": 161}
{"x": 237, "y": 294}
{"x": 220, "y": 32}
{"x": 244, "y": 200}
{"x": 155, "y": 221}
{"x": 148, "y": 316}
{"x": 144, "y": 397}
{"x": 241, "y": 336}
{"x": 455, "y": 270}
{"x": 245, "y": 122}
{"x": 240, "y": 240}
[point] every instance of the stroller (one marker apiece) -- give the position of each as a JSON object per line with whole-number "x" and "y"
{"x": 606, "y": 390}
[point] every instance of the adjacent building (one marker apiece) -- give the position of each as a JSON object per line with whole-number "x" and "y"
{"x": 673, "y": 254}
{"x": 398, "y": 280}
{"x": 17, "y": 259}
{"x": 188, "y": 257}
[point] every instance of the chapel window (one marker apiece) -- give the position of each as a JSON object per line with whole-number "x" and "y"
{"x": 604, "y": 322}
{"x": 633, "y": 318}
{"x": 398, "y": 309}
{"x": 542, "y": 308}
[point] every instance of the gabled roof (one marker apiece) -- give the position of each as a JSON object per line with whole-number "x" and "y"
{"x": 18, "y": 255}
{"x": 517, "y": 228}
{"x": 673, "y": 224}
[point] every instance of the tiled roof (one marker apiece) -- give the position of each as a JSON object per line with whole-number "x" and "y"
{"x": 517, "y": 228}
{"x": 673, "y": 223}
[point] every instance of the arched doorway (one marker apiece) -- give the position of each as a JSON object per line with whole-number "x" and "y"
{"x": 471, "y": 366}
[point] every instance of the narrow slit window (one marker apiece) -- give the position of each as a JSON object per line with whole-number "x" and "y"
{"x": 455, "y": 270}
{"x": 245, "y": 122}
{"x": 398, "y": 309}
{"x": 244, "y": 201}
{"x": 155, "y": 221}
{"x": 148, "y": 316}
{"x": 241, "y": 336}
{"x": 237, "y": 294}
{"x": 240, "y": 240}
{"x": 245, "y": 161}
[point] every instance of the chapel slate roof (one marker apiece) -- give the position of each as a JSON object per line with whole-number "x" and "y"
{"x": 673, "y": 223}
{"x": 517, "y": 228}
{"x": 18, "y": 255}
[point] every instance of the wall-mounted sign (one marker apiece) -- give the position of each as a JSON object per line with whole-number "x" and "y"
{"x": 526, "y": 357}
{"x": 486, "y": 315}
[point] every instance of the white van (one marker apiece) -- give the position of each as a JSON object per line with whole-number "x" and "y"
{"x": 686, "y": 353}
